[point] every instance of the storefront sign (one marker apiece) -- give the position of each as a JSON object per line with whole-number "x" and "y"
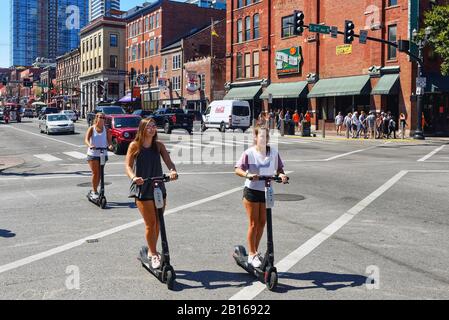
{"x": 192, "y": 82}
{"x": 288, "y": 61}
{"x": 136, "y": 92}
{"x": 344, "y": 49}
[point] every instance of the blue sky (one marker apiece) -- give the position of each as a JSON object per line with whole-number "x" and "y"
{"x": 4, "y": 28}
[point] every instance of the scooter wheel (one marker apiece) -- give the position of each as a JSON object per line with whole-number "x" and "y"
{"x": 170, "y": 279}
{"x": 271, "y": 279}
{"x": 103, "y": 203}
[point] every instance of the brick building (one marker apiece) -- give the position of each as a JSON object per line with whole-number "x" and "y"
{"x": 152, "y": 27}
{"x": 67, "y": 80}
{"x": 316, "y": 72}
{"x": 195, "y": 68}
{"x": 48, "y": 76}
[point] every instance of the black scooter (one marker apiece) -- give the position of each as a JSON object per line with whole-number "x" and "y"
{"x": 267, "y": 272}
{"x": 101, "y": 200}
{"x": 165, "y": 273}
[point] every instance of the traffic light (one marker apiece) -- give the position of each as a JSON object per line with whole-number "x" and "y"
{"x": 298, "y": 23}
{"x": 349, "y": 32}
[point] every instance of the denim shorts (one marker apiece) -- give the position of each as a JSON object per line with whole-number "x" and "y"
{"x": 254, "y": 195}
{"x": 92, "y": 158}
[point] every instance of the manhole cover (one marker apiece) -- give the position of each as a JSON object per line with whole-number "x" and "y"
{"x": 288, "y": 197}
{"x": 89, "y": 184}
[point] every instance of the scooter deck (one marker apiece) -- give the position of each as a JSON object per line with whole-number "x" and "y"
{"x": 143, "y": 257}
{"x": 242, "y": 261}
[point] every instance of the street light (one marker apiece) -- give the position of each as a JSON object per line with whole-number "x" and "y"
{"x": 421, "y": 43}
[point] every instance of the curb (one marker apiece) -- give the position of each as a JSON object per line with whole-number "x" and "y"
{"x": 9, "y": 162}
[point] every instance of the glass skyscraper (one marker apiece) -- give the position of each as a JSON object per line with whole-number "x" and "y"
{"x": 45, "y": 28}
{"x": 98, "y": 8}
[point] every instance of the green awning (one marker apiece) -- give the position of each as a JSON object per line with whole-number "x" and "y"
{"x": 388, "y": 84}
{"x": 348, "y": 86}
{"x": 286, "y": 90}
{"x": 437, "y": 83}
{"x": 242, "y": 93}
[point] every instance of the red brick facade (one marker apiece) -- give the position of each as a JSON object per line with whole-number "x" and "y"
{"x": 319, "y": 51}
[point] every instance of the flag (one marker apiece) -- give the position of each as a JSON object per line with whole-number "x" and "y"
{"x": 213, "y": 32}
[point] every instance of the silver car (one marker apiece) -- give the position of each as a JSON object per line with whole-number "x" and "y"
{"x": 56, "y": 123}
{"x": 70, "y": 114}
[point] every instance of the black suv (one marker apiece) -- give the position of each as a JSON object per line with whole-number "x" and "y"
{"x": 107, "y": 110}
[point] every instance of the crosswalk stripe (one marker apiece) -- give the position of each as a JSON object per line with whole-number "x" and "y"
{"x": 47, "y": 157}
{"x": 76, "y": 155}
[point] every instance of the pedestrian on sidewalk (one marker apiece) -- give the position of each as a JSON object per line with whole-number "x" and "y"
{"x": 371, "y": 124}
{"x": 339, "y": 123}
{"x": 385, "y": 125}
{"x": 348, "y": 124}
{"x": 362, "y": 120}
{"x": 391, "y": 127}
{"x": 296, "y": 120}
{"x": 379, "y": 126}
{"x": 355, "y": 125}
{"x": 402, "y": 124}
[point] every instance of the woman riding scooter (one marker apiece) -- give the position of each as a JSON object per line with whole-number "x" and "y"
{"x": 143, "y": 161}
{"x": 97, "y": 136}
{"x": 259, "y": 160}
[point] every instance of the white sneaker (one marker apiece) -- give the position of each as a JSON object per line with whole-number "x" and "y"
{"x": 254, "y": 261}
{"x": 155, "y": 262}
{"x": 94, "y": 195}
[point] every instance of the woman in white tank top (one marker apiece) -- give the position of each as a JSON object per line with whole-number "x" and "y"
{"x": 97, "y": 136}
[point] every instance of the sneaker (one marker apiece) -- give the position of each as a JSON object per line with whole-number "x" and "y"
{"x": 155, "y": 262}
{"x": 95, "y": 195}
{"x": 254, "y": 261}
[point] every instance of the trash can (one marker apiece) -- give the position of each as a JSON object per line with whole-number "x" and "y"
{"x": 290, "y": 127}
{"x": 305, "y": 128}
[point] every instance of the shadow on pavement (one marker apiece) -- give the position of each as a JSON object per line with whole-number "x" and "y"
{"x": 212, "y": 279}
{"x": 6, "y": 234}
{"x": 321, "y": 280}
{"x": 113, "y": 205}
{"x": 29, "y": 174}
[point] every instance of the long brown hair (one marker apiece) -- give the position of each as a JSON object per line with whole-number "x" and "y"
{"x": 140, "y": 136}
{"x": 97, "y": 116}
{"x": 257, "y": 129}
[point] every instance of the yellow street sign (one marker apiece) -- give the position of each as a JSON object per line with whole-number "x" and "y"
{"x": 344, "y": 49}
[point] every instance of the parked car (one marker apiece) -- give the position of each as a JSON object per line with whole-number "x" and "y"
{"x": 143, "y": 113}
{"x": 123, "y": 129}
{"x": 71, "y": 115}
{"x": 48, "y": 110}
{"x": 169, "y": 119}
{"x": 28, "y": 113}
{"x": 227, "y": 114}
{"x": 106, "y": 109}
{"x": 56, "y": 123}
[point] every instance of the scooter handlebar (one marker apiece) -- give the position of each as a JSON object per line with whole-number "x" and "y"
{"x": 277, "y": 179}
{"x": 164, "y": 178}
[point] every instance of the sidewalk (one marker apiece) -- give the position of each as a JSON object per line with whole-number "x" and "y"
{"x": 10, "y": 162}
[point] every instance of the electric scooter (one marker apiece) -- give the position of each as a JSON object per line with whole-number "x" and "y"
{"x": 101, "y": 200}
{"x": 165, "y": 273}
{"x": 267, "y": 272}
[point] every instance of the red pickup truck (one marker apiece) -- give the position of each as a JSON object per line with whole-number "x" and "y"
{"x": 123, "y": 130}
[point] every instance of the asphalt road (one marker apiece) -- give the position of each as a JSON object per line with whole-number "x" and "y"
{"x": 354, "y": 210}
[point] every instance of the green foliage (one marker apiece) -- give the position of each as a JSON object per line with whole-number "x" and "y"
{"x": 438, "y": 19}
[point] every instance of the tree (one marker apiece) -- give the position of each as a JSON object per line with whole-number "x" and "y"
{"x": 437, "y": 19}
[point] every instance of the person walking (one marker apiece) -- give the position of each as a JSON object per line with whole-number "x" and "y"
{"x": 371, "y": 124}
{"x": 355, "y": 125}
{"x": 348, "y": 124}
{"x": 339, "y": 123}
{"x": 296, "y": 120}
{"x": 362, "y": 120}
{"x": 402, "y": 124}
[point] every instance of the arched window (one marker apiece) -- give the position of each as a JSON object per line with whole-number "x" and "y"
{"x": 247, "y": 28}
{"x": 151, "y": 76}
{"x": 156, "y": 75}
{"x": 256, "y": 33}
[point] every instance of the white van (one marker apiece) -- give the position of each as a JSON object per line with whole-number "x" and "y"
{"x": 227, "y": 114}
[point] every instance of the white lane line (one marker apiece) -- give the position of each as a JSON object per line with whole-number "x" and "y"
{"x": 430, "y": 171}
{"x": 76, "y": 155}
{"x": 47, "y": 157}
{"x": 44, "y": 137}
{"x": 347, "y": 154}
{"x": 77, "y": 243}
{"x": 293, "y": 258}
{"x": 431, "y": 154}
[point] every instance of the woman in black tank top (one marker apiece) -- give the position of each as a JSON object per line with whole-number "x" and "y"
{"x": 143, "y": 161}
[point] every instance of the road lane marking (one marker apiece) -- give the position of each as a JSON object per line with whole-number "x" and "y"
{"x": 42, "y": 136}
{"x": 47, "y": 157}
{"x": 293, "y": 258}
{"x": 77, "y": 243}
{"x": 76, "y": 155}
{"x": 348, "y": 153}
{"x": 431, "y": 154}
